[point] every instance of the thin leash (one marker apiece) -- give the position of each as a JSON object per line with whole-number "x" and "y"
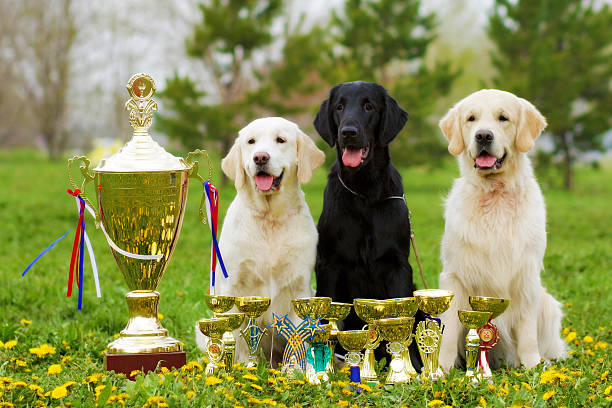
{"x": 412, "y": 240}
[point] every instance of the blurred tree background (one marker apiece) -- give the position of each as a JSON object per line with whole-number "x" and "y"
{"x": 221, "y": 63}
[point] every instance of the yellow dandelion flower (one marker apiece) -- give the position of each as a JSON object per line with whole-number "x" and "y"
{"x": 134, "y": 373}
{"x": 601, "y": 345}
{"x": 5, "y": 380}
{"x": 26, "y": 322}
{"x": 590, "y": 352}
{"x": 587, "y": 339}
{"x": 190, "y": 394}
{"x": 605, "y": 375}
{"x": 565, "y": 331}
{"x": 526, "y": 386}
{"x": 365, "y": 387}
{"x": 59, "y": 392}
{"x": 435, "y": 403}
{"x": 491, "y": 387}
{"x": 160, "y": 316}
{"x": 229, "y": 378}
{"x": 94, "y": 378}
{"x": 20, "y": 363}
{"x": 250, "y": 377}
{"x": 191, "y": 366}
{"x": 548, "y": 395}
{"x": 212, "y": 380}
{"x": 54, "y": 369}
{"x": 66, "y": 360}
{"x": 17, "y": 384}
{"x": 251, "y": 368}
{"x": 257, "y": 387}
{"x": 269, "y": 401}
{"x": 271, "y": 380}
{"x": 10, "y": 344}
{"x": 6, "y": 404}
{"x": 343, "y": 403}
{"x": 571, "y": 336}
{"x": 346, "y": 391}
{"x": 330, "y": 394}
{"x": 503, "y": 391}
{"x": 482, "y": 401}
{"x": 342, "y": 384}
{"x": 42, "y": 350}
{"x": 98, "y": 390}
{"x": 608, "y": 390}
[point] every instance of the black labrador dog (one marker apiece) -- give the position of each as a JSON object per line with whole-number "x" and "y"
{"x": 364, "y": 229}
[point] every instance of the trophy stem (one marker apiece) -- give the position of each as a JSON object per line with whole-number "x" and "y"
{"x": 472, "y": 342}
{"x": 406, "y": 359}
{"x": 331, "y": 343}
{"x": 229, "y": 344}
{"x": 488, "y": 336}
{"x": 397, "y": 371}
{"x": 252, "y": 334}
{"x": 367, "y": 371}
{"x": 143, "y": 332}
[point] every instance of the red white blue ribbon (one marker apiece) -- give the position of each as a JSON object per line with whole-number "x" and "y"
{"x": 212, "y": 212}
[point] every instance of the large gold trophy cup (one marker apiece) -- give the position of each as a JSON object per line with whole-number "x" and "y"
{"x": 141, "y": 193}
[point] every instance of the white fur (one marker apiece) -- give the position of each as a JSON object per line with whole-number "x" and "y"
{"x": 269, "y": 239}
{"x": 495, "y": 233}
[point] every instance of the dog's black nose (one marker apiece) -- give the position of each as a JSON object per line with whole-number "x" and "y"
{"x": 348, "y": 131}
{"x": 484, "y": 137}
{"x": 261, "y": 158}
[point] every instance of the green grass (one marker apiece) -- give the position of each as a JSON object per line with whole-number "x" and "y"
{"x": 34, "y": 210}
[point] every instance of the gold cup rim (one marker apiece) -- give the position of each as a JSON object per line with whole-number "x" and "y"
{"x": 473, "y": 319}
{"x": 225, "y": 303}
{"x": 213, "y": 327}
{"x": 314, "y": 306}
{"x": 338, "y": 311}
{"x": 408, "y": 304}
{"x": 433, "y": 301}
{"x": 494, "y": 305}
{"x": 235, "y": 319}
{"x": 354, "y": 340}
{"x": 252, "y": 306}
{"x": 369, "y": 310}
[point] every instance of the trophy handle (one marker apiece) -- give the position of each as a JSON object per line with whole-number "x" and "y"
{"x": 84, "y": 167}
{"x": 193, "y": 173}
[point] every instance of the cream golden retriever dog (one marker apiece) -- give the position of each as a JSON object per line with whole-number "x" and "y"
{"x": 495, "y": 234}
{"x": 269, "y": 238}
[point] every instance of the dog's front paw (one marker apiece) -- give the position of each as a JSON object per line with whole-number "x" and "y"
{"x": 447, "y": 360}
{"x": 531, "y": 360}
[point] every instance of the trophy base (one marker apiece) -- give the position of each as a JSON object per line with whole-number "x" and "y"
{"x": 127, "y": 363}
{"x": 144, "y": 345}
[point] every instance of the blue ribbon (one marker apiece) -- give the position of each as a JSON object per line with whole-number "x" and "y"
{"x": 81, "y": 256}
{"x": 355, "y": 375}
{"x": 214, "y": 236}
{"x": 50, "y": 246}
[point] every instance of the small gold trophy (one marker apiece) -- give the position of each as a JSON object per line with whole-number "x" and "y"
{"x": 141, "y": 193}
{"x": 369, "y": 310}
{"x": 429, "y": 332}
{"x": 229, "y": 341}
{"x": 396, "y": 330}
{"x": 337, "y": 311}
{"x": 253, "y": 307}
{"x": 406, "y": 307}
{"x": 214, "y": 329}
{"x": 488, "y": 333}
{"x": 353, "y": 342}
{"x": 472, "y": 320}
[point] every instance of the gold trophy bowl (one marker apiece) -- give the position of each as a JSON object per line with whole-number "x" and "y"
{"x": 354, "y": 340}
{"x": 337, "y": 311}
{"x": 406, "y": 307}
{"x": 396, "y": 330}
{"x": 252, "y": 307}
{"x": 214, "y": 329}
{"x": 428, "y": 335}
{"x": 314, "y": 307}
{"x": 219, "y": 304}
{"x": 472, "y": 320}
{"x": 433, "y": 301}
{"x": 495, "y": 306}
{"x": 141, "y": 193}
{"x": 370, "y": 310}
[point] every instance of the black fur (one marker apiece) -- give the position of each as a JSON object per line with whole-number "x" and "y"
{"x": 364, "y": 240}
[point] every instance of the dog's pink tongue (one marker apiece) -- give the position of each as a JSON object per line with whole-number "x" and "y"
{"x": 351, "y": 158}
{"x": 264, "y": 182}
{"x": 486, "y": 161}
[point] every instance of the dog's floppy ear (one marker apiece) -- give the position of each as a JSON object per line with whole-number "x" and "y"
{"x": 232, "y": 165}
{"x": 324, "y": 121}
{"x": 452, "y": 130}
{"x": 531, "y": 124}
{"x": 309, "y": 157}
{"x": 393, "y": 120}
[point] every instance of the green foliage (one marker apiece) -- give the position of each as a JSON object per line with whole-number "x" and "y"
{"x": 557, "y": 55}
{"x": 35, "y": 210}
{"x": 386, "y": 41}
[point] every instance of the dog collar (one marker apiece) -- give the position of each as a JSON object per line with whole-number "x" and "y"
{"x": 362, "y": 196}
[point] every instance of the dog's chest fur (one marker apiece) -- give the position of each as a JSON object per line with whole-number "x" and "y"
{"x": 497, "y": 219}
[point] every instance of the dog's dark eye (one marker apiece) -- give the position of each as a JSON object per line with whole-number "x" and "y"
{"x": 251, "y": 141}
{"x": 502, "y": 118}
{"x": 340, "y": 107}
{"x": 368, "y": 107}
{"x": 471, "y": 118}
{"x": 280, "y": 140}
